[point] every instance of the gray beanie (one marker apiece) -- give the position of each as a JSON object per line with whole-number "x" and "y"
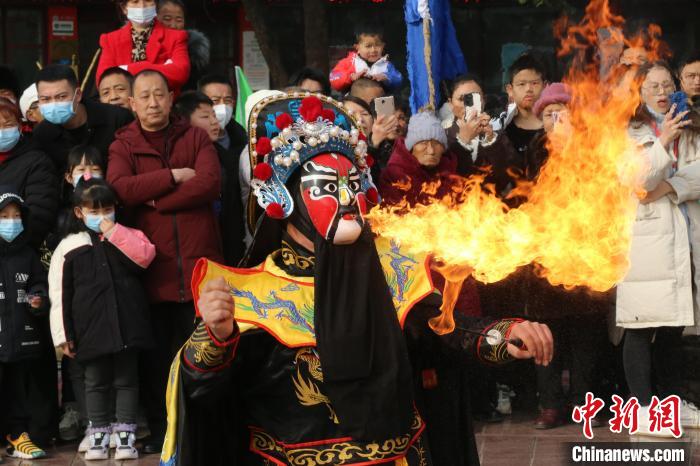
{"x": 424, "y": 126}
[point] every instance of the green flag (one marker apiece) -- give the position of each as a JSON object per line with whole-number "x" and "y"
{"x": 243, "y": 91}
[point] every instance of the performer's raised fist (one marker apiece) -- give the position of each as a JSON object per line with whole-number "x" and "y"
{"x": 537, "y": 339}
{"x": 216, "y": 308}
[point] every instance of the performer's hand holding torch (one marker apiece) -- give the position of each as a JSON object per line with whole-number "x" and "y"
{"x": 537, "y": 340}
{"x": 216, "y": 308}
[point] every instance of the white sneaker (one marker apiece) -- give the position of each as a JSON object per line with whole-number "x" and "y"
{"x": 125, "y": 446}
{"x": 690, "y": 415}
{"x": 644, "y": 425}
{"x": 84, "y": 444}
{"x": 503, "y": 404}
{"x": 99, "y": 447}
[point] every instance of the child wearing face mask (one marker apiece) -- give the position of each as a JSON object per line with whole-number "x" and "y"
{"x": 99, "y": 314}
{"x": 83, "y": 162}
{"x": 23, "y": 304}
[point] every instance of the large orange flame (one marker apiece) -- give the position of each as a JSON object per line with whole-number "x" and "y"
{"x": 576, "y": 224}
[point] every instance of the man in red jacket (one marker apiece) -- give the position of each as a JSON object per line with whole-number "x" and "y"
{"x": 167, "y": 176}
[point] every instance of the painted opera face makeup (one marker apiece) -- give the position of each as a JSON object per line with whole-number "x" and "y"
{"x": 332, "y": 193}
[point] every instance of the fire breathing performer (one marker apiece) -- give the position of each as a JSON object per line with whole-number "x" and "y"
{"x": 307, "y": 351}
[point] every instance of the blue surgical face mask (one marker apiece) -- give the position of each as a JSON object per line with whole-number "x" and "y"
{"x": 10, "y": 228}
{"x": 141, "y": 15}
{"x": 93, "y": 221}
{"x": 58, "y": 113}
{"x": 9, "y": 138}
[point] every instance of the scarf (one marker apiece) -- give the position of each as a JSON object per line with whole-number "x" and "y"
{"x": 140, "y": 40}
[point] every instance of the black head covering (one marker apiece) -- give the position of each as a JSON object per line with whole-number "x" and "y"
{"x": 366, "y": 370}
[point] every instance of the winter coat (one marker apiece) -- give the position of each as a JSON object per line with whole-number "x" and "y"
{"x": 403, "y": 167}
{"x": 166, "y": 52}
{"x": 98, "y": 301}
{"x": 103, "y": 121}
{"x": 475, "y": 157}
{"x": 178, "y": 218}
{"x": 229, "y": 207}
{"x": 658, "y": 288}
{"x": 22, "y": 275}
{"x": 340, "y": 76}
{"x": 199, "y": 50}
{"x": 33, "y": 176}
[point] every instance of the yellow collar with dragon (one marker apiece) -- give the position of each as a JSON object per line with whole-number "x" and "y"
{"x": 268, "y": 298}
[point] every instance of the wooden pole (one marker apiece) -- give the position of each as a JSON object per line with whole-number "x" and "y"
{"x": 89, "y": 70}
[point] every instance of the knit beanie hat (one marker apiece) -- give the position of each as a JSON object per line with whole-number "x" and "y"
{"x": 424, "y": 126}
{"x": 555, "y": 93}
{"x": 29, "y": 96}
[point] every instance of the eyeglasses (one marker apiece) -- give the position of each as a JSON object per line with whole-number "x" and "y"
{"x": 655, "y": 87}
{"x": 522, "y": 84}
{"x": 691, "y": 77}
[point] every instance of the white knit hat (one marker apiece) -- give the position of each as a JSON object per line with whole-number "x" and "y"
{"x": 424, "y": 126}
{"x": 29, "y": 96}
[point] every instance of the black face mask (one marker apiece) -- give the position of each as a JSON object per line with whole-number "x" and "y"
{"x": 366, "y": 369}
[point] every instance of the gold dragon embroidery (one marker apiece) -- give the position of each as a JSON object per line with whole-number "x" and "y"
{"x": 306, "y": 390}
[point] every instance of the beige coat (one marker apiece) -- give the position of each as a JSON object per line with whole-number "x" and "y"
{"x": 657, "y": 290}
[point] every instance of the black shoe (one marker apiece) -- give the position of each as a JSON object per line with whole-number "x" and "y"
{"x": 153, "y": 446}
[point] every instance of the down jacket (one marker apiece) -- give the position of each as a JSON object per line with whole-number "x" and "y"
{"x": 658, "y": 289}
{"x": 178, "y": 218}
{"x": 21, "y": 326}
{"x": 97, "y": 299}
{"x": 33, "y": 176}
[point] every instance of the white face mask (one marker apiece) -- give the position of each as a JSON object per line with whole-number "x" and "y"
{"x": 141, "y": 15}
{"x": 224, "y": 113}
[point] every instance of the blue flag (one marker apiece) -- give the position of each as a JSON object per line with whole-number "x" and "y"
{"x": 433, "y": 51}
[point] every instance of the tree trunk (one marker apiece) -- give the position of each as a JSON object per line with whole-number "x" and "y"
{"x": 316, "y": 34}
{"x": 256, "y": 11}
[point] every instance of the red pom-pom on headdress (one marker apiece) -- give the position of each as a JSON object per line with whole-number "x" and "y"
{"x": 311, "y": 108}
{"x": 275, "y": 210}
{"x": 369, "y": 160}
{"x": 263, "y": 146}
{"x": 262, "y": 171}
{"x": 373, "y": 196}
{"x": 362, "y": 137}
{"x": 328, "y": 114}
{"x": 283, "y": 120}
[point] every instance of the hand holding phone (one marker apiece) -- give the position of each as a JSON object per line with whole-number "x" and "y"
{"x": 384, "y": 106}
{"x": 472, "y": 105}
